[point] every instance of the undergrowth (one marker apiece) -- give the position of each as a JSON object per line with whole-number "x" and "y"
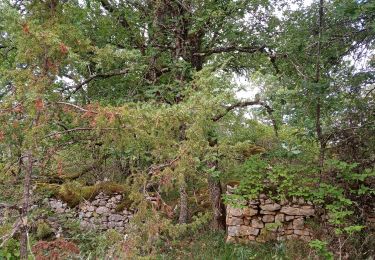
{"x": 212, "y": 245}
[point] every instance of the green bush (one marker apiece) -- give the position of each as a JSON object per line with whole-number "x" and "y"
{"x": 43, "y": 231}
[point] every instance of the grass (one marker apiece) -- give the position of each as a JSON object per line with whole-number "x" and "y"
{"x": 211, "y": 245}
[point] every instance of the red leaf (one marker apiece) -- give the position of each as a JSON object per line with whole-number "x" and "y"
{"x": 63, "y": 48}
{"x": 25, "y": 28}
{"x": 39, "y": 105}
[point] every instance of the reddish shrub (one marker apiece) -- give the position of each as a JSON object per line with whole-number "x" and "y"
{"x": 57, "y": 249}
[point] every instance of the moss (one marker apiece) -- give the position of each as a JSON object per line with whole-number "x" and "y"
{"x": 266, "y": 235}
{"x": 73, "y": 192}
{"x": 43, "y": 231}
{"x": 110, "y": 187}
{"x": 70, "y": 193}
{"x": 125, "y": 203}
{"x": 48, "y": 189}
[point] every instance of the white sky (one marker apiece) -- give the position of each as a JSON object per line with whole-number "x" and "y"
{"x": 248, "y": 89}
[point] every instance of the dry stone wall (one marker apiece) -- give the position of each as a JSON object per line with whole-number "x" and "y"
{"x": 99, "y": 213}
{"x": 263, "y": 219}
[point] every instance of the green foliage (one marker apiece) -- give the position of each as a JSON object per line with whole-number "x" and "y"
{"x": 151, "y": 231}
{"x": 256, "y": 176}
{"x": 11, "y": 250}
{"x": 272, "y": 226}
{"x": 94, "y": 244}
{"x": 321, "y": 248}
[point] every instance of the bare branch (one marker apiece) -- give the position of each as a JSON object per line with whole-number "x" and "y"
{"x": 159, "y": 167}
{"x": 78, "y": 129}
{"x": 95, "y": 76}
{"x": 75, "y": 106}
{"x": 237, "y": 105}
{"x": 242, "y": 104}
{"x": 369, "y": 92}
{"x": 248, "y": 49}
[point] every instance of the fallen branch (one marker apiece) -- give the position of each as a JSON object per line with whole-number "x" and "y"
{"x": 11, "y": 206}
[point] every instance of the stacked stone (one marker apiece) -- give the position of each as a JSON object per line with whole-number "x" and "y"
{"x": 263, "y": 219}
{"x": 58, "y": 206}
{"x": 99, "y": 213}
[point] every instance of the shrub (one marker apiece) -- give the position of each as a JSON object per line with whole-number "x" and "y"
{"x": 57, "y": 249}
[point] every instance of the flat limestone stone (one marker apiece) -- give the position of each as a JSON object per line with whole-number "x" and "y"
{"x": 234, "y": 221}
{"x": 256, "y": 223}
{"x": 296, "y": 211}
{"x": 270, "y": 207}
{"x": 268, "y": 218}
{"x": 298, "y": 223}
{"x": 102, "y": 210}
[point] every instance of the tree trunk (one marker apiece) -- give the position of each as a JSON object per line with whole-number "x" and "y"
{"x": 25, "y": 206}
{"x": 218, "y": 207}
{"x": 214, "y": 187}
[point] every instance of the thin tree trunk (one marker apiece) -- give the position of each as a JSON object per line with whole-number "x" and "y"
{"x": 183, "y": 204}
{"x": 318, "y": 124}
{"x": 25, "y": 206}
{"x": 215, "y": 189}
{"x": 319, "y": 133}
